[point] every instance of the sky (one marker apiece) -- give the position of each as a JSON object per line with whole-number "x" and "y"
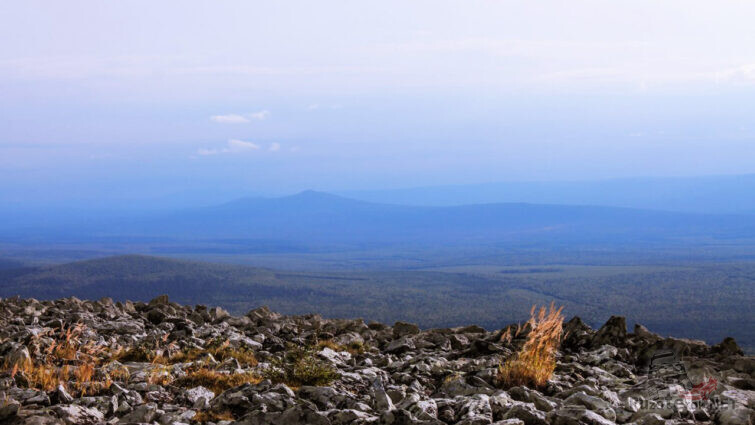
{"x": 187, "y": 102}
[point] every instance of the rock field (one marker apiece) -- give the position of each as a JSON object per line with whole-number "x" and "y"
{"x": 87, "y": 362}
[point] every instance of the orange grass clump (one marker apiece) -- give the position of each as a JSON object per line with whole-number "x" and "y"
{"x": 211, "y": 416}
{"x": 42, "y": 376}
{"x": 66, "y": 358}
{"x": 534, "y": 364}
{"x": 216, "y": 381}
{"x": 244, "y": 356}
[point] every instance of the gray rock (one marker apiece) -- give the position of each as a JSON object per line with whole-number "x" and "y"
{"x": 141, "y": 414}
{"x": 596, "y": 404}
{"x": 402, "y": 329}
{"x": 400, "y": 345}
{"x": 576, "y": 416}
{"x": 613, "y": 332}
{"x": 76, "y": 415}
{"x": 735, "y": 415}
{"x": 476, "y": 410}
{"x": 527, "y": 414}
{"x": 509, "y": 422}
{"x": 650, "y": 419}
{"x": 62, "y": 395}
{"x": 8, "y": 409}
{"x": 383, "y": 403}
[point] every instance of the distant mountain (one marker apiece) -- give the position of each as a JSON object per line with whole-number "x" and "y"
{"x": 708, "y": 194}
{"x": 319, "y": 219}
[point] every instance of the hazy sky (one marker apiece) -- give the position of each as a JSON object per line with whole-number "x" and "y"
{"x": 153, "y": 99}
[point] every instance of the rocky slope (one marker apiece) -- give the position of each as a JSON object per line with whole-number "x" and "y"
{"x": 83, "y": 362}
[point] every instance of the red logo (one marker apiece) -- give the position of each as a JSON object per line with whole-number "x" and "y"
{"x": 701, "y": 391}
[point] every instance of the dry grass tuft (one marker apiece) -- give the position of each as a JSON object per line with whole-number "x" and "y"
{"x": 45, "y": 377}
{"x": 160, "y": 375}
{"x": 211, "y": 416}
{"x": 300, "y": 366}
{"x": 534, "y": 364}
{"x": 354, "y": 348}
{"x": 67, "y": 359}
{"x": 220, "y": 352}
{"x": 140, "y": 353}
{"x": 216, "y": 381}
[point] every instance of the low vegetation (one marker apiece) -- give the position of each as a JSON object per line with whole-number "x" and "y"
{"x": 216, "y": 381}
{"x": 535, "y": 362}
{"x": 84, "y": 368}
{"x": 300, "y": 366}
{"x": 212, "y": 416}
{"x": 354, "y": 348}
{"x": 220, "y": 351}
{"x": 64, "y": 359}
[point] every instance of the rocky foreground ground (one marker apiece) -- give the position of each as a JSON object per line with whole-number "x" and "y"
{"x": 83, "y": 362}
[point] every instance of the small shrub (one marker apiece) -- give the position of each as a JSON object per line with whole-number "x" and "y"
{"x": 67, "y": 357}
{"x": 220, "y": 352}
{"x": 353, "y": 348}
{"x": 216, "y": 381}
{"x": 41, "y": 376}
{"x": 84, "y": 374}
{"x": 160, "y": 375}
{"x": 212, "y": 416}
{"x": 140, "y": 353}
{"x": 534, "y": 364}
{"x": 300, "y": 366}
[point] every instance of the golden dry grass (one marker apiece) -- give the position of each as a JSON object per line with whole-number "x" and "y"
{"x": 221, "y": 352}
{"x": 216, "y": 381}
{"x": 66, "y": 360}
{"x": 534, "y": 364}
{"x": 41, "y": 376}
{"x": 212, "y": 416}
{"x": 353, "y": 348}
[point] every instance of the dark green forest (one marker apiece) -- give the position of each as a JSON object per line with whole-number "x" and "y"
{"x": 708, "y": 301}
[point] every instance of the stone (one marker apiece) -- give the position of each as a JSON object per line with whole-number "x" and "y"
{"x": 197, "y": 394}
{"x": 527, "y": 414}
{"x": 401, "y": 345}
{"x": 596, "y": 404}
{"x": 62, "y": 395}
{"x": 383, "y": 403}
{"x": 735, "y": 415}
{"x": 727, "y": 347}
{"x": 141, "y": 414}
{"x": 403, "y": 329}
{"x": 576, "y": 416}
{"x": 613, "y": 332}
{"x": 8, "y": 409}
{"x": 476, "y": 410}
{"x": 72, "y": 414}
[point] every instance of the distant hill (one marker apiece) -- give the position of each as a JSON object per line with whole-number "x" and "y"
{"x": 315, "y": 230}
{"x": 320, "y": 219}
{"x": 707, "y": 194}
{"x": 706, "y": 302}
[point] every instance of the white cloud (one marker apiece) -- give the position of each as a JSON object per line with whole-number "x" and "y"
{"x": 229, "y": 119}
{"x": 241, "y": 118}
{"x": 233, "y": 146}
{"x": 317, "y": 106}
{"x": 741, "y": 74}
{"x": 274, "y": 147}
{"x": 260, "y": 115}
{"x": 206, "y": 152}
